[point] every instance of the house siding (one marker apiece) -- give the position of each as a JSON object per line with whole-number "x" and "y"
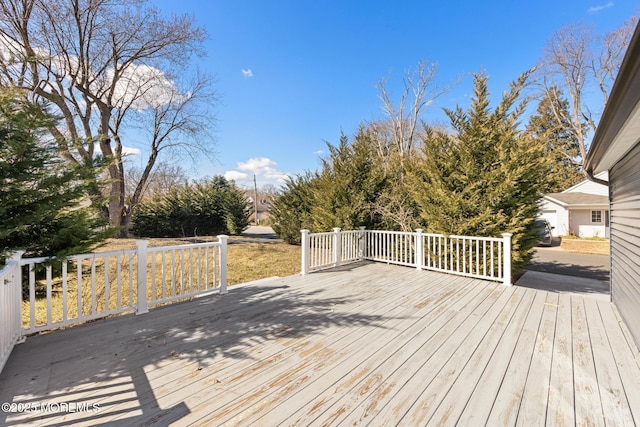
{"x": 624, "y": 190}
{"x": 580, "y": 223}
{"x": 571, "y": 220}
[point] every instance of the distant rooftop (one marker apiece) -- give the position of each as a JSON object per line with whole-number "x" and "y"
{"x": 578, "y": 199}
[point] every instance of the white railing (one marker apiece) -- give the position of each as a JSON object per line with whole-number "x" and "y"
{"x": 391, "y": 247}
{"x": 182, "y": 271}
{"x": 331, "y": 248}
{"x": 479, "y": 257}
{"x": 10, "y": 300}
{"x": 84, "y": 287}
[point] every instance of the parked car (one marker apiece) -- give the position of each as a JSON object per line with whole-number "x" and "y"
{"x": 544, "y": 231}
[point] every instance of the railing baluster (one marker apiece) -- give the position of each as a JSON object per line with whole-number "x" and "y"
{"x": 164, "y": 275}
{"x": 206, "y": 268}
{"x": 190, "y": 269}
{"x": 198, "y": 269}
{"x": 48, "y": 285}
{"x": 492, "y": 260}
{"x": 79, "y": 295}
{"x": 464, "y": 254}
{"x": 32, "y": 293}
{"x": 105, "y": 261}
{"x": 119, "y": 282}
{"x": 93, "y": 285}
{"x": 484, "y": 259}
{"x": 65, "y": 294}
{"x": 173, "y": 272}
{"x": 130, "y": 280}
{"x": 477, "y": 256}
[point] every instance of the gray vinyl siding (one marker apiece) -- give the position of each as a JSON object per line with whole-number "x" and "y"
{"x": 624, "y": 188}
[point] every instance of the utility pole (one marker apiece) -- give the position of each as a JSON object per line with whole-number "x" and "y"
{"x": 255, "y": 198}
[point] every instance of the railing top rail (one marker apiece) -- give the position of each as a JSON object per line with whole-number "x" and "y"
{"x": 186, "y": 246}
{"x": 455, "y": 236}
{"x": 409, "y": 233}
{"x": 37, "y": 260}
{"x": 405, "y": 233}
{"x": 7, "y": 268}
{"x": 327, "y": 233}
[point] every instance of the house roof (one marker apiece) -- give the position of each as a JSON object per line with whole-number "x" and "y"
{"x": 588, "y": 183}
{"x": 620, "y": 123}
{"x": 578, "y": 200}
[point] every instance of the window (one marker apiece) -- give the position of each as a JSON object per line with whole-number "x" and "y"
{"x": 596, "y": 217}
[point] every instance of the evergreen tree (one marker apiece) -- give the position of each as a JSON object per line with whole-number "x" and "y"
{"x": 485, "y": 178}
{"x": 39, "y": 195}
{"x": 348, "y": 185}
{"x": 562, "y": 150}
{"x": 291, "y": 211}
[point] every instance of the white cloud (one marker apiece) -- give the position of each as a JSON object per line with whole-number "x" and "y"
{"x": 262, "y": 167}
{"x": 247, "y": 73}
{"x": 256, "y": 164}
{"x": 126, "y": 151}
{"x": 130, "y": 151}
{"x": 236, "y": 176}
{"x": 595, "y": 9}
{"x": 318, "y": 152}
{"x": 145, "y": 87}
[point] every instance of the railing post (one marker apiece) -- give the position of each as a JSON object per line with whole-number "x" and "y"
{"x": 419, "y": 249}
{"x": 337, "y": 246}
{"x": 506, "y": 253}
{"x": 141, "y": 246}
{"x": 17, "y": 284}
{"x": 305, "y": 251}
{"x": 223, "y": 263}
{"x": 362, "y": 242}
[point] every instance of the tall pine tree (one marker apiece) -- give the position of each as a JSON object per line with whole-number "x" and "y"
{"x": 39, "y": 194}
{"x": 485, "y": 178}
{"x": 348, "y": 185}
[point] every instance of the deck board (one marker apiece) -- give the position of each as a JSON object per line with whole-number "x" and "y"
{"x": 560, "y": 403}
{"x": 363, "y": 344}
{"x": 506, "y": 405}
{"x": 535, "y": 398}
{"x": 479, "y": 404}
{"x": 588, "y": 410}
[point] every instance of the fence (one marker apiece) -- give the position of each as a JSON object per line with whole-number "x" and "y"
{"x": 486, "y": 258}
{"x": 59, "y": 293}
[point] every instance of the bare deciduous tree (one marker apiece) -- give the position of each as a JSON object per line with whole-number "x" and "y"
{"x": 404, "y": 117}
{"x": 105, "y": 66}
{"x": 164, "y": 177}
{"x": 580, "y": 62}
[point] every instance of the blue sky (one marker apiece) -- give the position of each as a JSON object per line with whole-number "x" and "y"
{"x": 293, "y": 74}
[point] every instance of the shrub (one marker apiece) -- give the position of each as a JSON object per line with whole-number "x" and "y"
{"x": 204, "y": 208}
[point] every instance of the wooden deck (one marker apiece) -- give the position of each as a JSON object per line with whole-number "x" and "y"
{"x": 368, "y": 344}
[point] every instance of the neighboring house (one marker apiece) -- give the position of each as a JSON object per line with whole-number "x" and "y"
{"x": 582, "y": 210}
{"x": 616, "y": 148}
{"x": 264, "y": 205}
